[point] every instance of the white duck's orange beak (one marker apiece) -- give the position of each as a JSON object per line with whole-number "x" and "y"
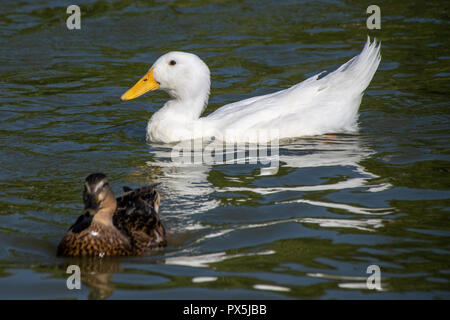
{"x": 145, "y": 84}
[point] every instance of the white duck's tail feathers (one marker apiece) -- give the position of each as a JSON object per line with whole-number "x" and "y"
{"x": 346, "y": 83}
{"x": 339, "y": 93}
{"x": 358, "y": 71}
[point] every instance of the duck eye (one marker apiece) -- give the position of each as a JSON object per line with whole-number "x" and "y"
{"x": 172, "y": 62}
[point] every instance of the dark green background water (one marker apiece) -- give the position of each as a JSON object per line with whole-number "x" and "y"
{"x": 336, "y": 206}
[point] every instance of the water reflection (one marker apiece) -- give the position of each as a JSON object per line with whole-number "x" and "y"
{"x": 185, "y": 189}
{"x": 189, "y": 188}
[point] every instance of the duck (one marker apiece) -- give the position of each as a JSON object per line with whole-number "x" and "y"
{"x": 128, "y": 225}
{"x": 321, "y": 104}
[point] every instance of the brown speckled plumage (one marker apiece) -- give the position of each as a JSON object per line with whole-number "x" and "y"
{"x": 131, "y": 226}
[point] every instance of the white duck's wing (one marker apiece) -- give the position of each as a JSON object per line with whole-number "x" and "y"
{"x": 314, "y": 106}
{"x": 259, "y": 111}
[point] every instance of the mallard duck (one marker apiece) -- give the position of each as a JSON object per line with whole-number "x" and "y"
{"x": 318, "y": 105}
{"x": 128, "y": 225}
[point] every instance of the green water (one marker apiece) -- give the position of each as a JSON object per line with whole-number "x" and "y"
{"x": 336, "y": 205}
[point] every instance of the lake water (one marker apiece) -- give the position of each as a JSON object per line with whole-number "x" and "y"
{"x": 337, "y": 204}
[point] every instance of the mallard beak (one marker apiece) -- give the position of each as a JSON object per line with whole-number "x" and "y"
{"x": 146, "y": 84}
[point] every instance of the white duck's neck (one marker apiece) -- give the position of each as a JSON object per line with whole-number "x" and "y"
{"x": 187, "y": 109}
{"x": 185, "y": 106}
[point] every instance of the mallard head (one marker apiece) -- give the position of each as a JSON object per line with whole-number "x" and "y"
{"x": 182, "y": 75}
{"x": 99, "y": 199}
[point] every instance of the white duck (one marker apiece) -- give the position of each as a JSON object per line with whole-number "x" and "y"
{"x": 312, "y": 107}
